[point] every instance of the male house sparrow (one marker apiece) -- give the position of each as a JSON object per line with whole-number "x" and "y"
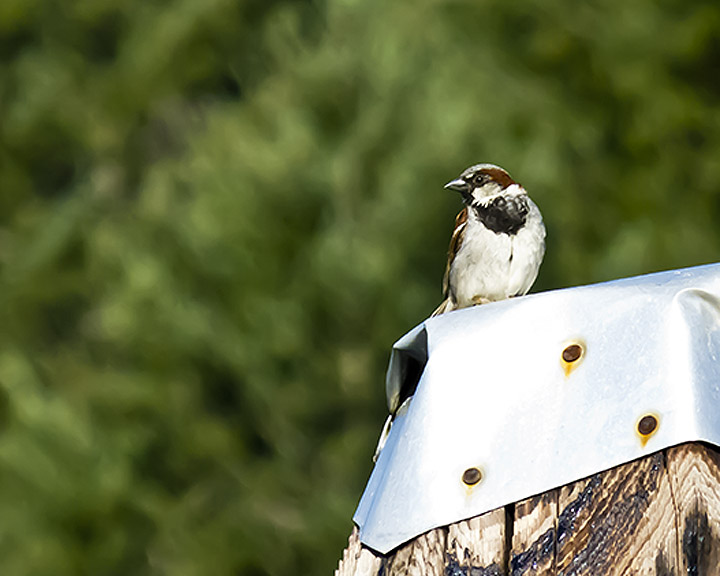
{"x": 498, "y": 242}
{"x": 495, "y": 251}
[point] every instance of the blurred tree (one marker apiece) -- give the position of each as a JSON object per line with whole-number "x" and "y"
{"x": 217, "y": 216}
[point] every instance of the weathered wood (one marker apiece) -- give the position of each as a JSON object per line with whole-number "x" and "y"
{"x": 659, "y": 515}
{"x": 424, "y": 556}
{"x": 534, "y": 534}
{"x": 694, "y": 471}
{"x": 479, "y": 545}
{"x": 358, "y": 560}
{"x": 617, "y": 522}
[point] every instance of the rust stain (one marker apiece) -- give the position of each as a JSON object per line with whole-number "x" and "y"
{"x": 572, "y": 356}
{"x": 646, "y": 427}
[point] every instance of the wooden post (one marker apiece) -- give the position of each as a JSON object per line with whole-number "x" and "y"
{"x": 659, "y": 515}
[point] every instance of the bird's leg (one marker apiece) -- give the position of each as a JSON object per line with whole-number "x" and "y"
{"x": 477, "y": 300}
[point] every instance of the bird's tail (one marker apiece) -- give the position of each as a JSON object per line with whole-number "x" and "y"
{"x": 383, "y": 437}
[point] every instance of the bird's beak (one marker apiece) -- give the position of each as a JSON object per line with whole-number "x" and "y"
{"x": 459, "y": 185}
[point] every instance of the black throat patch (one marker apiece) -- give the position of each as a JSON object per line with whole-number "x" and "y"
{"x": 504, "y": 214}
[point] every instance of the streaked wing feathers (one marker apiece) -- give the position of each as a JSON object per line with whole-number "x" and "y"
{"x": 455, "y": 243}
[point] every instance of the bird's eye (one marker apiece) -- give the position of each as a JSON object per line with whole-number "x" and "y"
{"x": 479, "y": 179}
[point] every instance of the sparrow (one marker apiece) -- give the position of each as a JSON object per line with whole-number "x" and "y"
{"x": 498, "y": 242}
{"x": 495, "y": 250}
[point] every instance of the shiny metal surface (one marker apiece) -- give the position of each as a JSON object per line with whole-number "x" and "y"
{"x": 540, "y": 391}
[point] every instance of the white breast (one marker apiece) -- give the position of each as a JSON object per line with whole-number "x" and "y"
{"x": 491, "y": 266}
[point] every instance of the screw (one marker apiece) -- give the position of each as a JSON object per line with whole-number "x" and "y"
{"x": 647, "y": 425}
{"x": 471, "y": 476}
{"x": 572, "y": 353}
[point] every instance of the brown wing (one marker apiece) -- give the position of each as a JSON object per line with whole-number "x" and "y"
{"x": 455, "y": 243}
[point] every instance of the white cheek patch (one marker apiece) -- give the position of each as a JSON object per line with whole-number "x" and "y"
{"x": 486, "y": 192}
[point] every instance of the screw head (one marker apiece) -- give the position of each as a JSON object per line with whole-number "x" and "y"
{"x": 572, "y": 353}
{"x": 471, "y": 476}
{"x": 647, "y": 425}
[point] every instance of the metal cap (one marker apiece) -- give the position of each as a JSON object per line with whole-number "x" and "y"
{"x": 518, "y": 397}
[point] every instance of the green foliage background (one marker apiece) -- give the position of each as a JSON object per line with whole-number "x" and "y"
{"x": 217, "y": 215}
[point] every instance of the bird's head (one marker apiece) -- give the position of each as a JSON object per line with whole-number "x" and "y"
{"x": 479, "y": 182}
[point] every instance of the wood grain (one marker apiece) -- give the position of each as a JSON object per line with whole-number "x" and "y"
{"x": 534, "y": 536}
{"x": 695, "y": 480}
{"x": 617, "y": 522}
{"x": 659, "y": 515}
{"x": 424, "y": 556}
{"x": 479, "y": 546}
{"x": 358, "y": 560}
